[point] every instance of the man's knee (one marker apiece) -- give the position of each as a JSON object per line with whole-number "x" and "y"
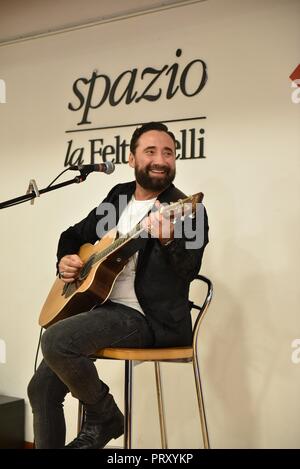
{"x": 57, "y": 344}
{"x": 51, "y": 344}
{"x": 34, "y": 391}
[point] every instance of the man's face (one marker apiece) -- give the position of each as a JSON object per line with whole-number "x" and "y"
{"x": 154, "y": 160}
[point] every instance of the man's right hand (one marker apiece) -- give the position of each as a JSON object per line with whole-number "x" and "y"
{"x": 69, "y": 267}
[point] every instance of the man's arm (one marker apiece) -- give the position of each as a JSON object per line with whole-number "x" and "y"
{"x": 74, "y": 237}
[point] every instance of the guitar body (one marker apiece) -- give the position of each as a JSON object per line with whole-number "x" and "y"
{"x": 83, "y": 294}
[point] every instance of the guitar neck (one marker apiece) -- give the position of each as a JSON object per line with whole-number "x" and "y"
{"x": 119, "y": 242}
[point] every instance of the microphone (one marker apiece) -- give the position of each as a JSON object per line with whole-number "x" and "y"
{"x": 108, "y": 167}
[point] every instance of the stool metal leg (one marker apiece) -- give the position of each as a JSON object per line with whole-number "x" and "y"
{"x": 128, "y": 404}
{"x": 201, "y": 402}
{"x": 161, "y": 410}
{"x": 80, "y": 417}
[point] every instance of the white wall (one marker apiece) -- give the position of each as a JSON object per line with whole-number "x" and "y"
{"x": 251, "y": 183}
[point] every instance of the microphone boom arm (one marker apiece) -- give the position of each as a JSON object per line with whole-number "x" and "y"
{"x": 30, "y": 195}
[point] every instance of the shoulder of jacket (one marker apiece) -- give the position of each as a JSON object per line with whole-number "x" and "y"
{"x": 171, "y": 194}
{"x": 121, "y": 188}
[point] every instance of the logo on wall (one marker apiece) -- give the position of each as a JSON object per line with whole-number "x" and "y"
{"x": 295, "y": 77}
{"x": 2, "y": 91}
{"x": 134, "y": 86}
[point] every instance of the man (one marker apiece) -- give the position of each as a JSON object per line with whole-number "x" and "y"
{"x": 147, "y": 307}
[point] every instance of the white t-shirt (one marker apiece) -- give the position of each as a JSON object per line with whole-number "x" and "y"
{"x": 123, "y": 290}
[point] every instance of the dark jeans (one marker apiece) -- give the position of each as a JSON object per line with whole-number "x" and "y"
{"x": 66, "y": 347}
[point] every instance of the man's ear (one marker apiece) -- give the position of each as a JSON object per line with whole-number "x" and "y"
{"x": 131, "y": 160}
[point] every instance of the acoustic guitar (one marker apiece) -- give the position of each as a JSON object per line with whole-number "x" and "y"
{"x": 102, "y": 264}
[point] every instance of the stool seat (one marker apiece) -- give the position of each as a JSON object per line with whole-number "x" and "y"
{"x": 147, "y": 354}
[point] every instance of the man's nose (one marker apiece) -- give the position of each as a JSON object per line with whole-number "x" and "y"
{"x": 159, "y": 158}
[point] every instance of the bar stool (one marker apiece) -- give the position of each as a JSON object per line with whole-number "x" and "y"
{"x": 157, "y": 355}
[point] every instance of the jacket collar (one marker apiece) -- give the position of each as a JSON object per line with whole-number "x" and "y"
{"x": 170, "y": 194}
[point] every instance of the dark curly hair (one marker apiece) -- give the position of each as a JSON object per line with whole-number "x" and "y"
{"x": 145, "y": 128}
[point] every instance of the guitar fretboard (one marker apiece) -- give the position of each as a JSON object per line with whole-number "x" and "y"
{"x": 117, "y": 243}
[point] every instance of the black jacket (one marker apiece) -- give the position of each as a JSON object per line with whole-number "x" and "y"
{"x": 163, "y": 273}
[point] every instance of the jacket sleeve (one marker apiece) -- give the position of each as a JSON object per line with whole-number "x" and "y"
{"x": 187, "y": 260}
{"x": 83, "y": 232}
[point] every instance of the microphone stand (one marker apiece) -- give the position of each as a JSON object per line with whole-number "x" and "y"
{"x": 33, "y": 191}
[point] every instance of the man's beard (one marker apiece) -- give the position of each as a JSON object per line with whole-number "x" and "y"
{"x": 154, "y": 183}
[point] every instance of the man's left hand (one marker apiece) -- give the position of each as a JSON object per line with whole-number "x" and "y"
{"x": 159, "y": 225}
